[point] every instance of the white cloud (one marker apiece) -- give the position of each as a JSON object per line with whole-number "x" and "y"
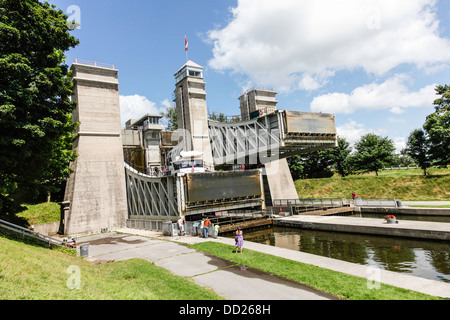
{"x": 353, "y": 131}
{"x": 136, "y": 106}
{"x": 393, "y": 94}
{"x": 293, "y": 44}
{"x": 396, "y": 120}
{"x": 399, "y": 144}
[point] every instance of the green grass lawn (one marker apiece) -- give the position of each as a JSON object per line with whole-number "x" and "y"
{"x": 406, "y": 185}
{"x": 341, "y": 285}
{"x": 32, "y": 272}
{"x": 41, "y": 213}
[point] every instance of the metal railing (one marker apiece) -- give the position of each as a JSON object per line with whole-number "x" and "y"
{"x": 94, "y": 64}
{"x": 31, "y": 234}
{"x": 310, "y": 202}
{"x": 359, "y": 202}
{"x": 376, "y": 202}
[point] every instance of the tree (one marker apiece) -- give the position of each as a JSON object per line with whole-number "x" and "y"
{"x": 171, "y": 117}
{"x": 403, "y": 159}
{"x": 317, "y": 164}
{"x": 341, "y": 157}
{"x": 373, "y": 153}
{"x": 35, "y": 108}
{"x": 296, "y": 167}
{"x": 437, "y": 126}
{"x": 418, "y": 147}
{"x": 221, "y": 117}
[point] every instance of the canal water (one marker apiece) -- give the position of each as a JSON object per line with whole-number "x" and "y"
{"x": 422, "y": 258}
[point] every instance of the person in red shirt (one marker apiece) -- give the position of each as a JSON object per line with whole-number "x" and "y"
{"x": 207, "y": 223}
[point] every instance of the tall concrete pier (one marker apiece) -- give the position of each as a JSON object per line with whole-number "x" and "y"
{"x": 190, "y": 98}
{"x": 95, "y": 196}
{"x": 256, "y": 103}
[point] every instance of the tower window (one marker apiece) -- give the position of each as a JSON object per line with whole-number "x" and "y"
{"x": 194, "y": 73}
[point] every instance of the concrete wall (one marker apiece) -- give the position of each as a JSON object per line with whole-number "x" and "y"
{"x": 47, "y": 228}
{"x": 96, "y": 189}
{"x": 280, "y": 180}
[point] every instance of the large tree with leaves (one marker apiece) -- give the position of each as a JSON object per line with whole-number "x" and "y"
{"x": 35, "y": 106}
{"x": 341, "y": 156}
{"x": 373, "y": 153}
{"x": 437, "y": 126}
{"x": 418, "y": 147}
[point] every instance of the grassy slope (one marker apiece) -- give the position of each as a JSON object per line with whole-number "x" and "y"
{"x": 341, "y": 285}
{"x": 400, "y": 184}
{"x": 32, "y": 272}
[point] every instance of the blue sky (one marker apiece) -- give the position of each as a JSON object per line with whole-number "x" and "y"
{"x": 373, "y": 63}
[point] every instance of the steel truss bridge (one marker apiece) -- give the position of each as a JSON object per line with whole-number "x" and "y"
{"x": 275, "y": 136}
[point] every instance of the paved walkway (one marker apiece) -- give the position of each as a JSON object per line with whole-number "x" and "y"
{"x": 237, "y": 282}
{"x": 229, "y": 280}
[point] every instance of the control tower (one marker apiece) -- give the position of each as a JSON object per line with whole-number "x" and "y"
{"x": 190, "y": 99}
{"x": 257, "y": 102}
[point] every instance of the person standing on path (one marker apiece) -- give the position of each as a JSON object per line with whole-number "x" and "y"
{"x": 202, "y": 228}
{"x": 239, "y": 239}
{"x": 354, "y": 197}
{"x": 181, "y": 226}
{"x": 207, "y": 223}
{"x": 216, "y": 230}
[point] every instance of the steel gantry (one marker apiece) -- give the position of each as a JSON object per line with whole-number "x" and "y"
{"x": 275, "y": 136}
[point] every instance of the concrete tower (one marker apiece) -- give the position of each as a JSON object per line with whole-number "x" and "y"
{"x": 256, "y": 103}
{"x": 95, "y": 197}
{"x": 190, "y": 98}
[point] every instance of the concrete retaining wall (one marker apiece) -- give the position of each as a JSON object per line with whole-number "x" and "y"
{"x": 47, "y": 228}
{"x": 406, "y": 229}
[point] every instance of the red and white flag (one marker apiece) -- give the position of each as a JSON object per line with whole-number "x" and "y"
{"x": 186, "y": 43}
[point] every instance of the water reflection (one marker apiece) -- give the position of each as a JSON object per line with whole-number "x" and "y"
{"x": 428, "y": 259}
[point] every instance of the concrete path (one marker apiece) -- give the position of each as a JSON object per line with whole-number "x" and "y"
{"x": 237, "y": 282}
{"x": 230, "y": 281}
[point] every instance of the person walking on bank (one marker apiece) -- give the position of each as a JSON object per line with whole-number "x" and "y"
{"x": 239, "y": 239}
{"x": 207, "y": 223}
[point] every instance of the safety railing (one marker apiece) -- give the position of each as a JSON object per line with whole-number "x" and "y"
{"x": 94, "y": 64}
{"x": 310, "y": 202}
{"x": 31, "y": 234}
{"x": 376, "y": 202}
{"x": 359, "y": 202}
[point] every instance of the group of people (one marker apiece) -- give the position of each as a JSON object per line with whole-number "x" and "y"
{"x": 204, "y": 227}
